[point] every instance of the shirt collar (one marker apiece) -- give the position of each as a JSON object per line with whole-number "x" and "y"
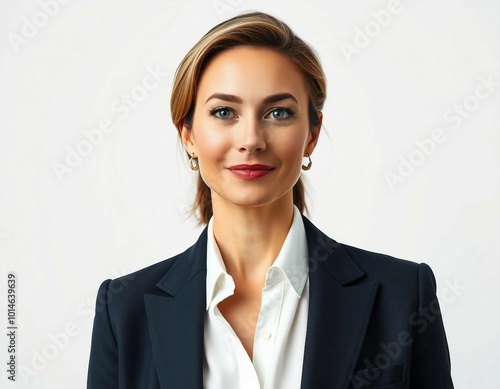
{"x": 216, "y": 269}
{"x": 291, "y": 260}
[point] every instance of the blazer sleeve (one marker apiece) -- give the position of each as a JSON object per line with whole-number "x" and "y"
{"x": 103, "y": 364}
{"x": 430, "y": 366}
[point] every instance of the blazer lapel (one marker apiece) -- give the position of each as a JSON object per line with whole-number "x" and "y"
{"x": 338, "y": 313}
{"x": 176, "y": 319}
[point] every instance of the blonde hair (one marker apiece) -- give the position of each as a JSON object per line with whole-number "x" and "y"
{"x": 255, "y": 29}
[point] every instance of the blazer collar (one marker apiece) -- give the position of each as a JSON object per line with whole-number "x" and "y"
{"x": 339, "y": 311}
{"x": 186, "y": 267}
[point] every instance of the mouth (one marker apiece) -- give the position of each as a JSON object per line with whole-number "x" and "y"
{"x": 250, "y": 172}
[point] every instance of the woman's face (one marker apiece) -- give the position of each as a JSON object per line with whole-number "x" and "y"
{"x": 251, "y": 127}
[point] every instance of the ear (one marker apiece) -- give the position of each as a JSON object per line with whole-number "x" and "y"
{"x": 314, "y": 135}
{"x": 188, "y": 140}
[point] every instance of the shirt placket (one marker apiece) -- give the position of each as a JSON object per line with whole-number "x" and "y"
{"x": 241, "y": 366}
{"x": 268, "y": 323}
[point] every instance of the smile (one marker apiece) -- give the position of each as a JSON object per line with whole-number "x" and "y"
{"x": 250, "y": 172}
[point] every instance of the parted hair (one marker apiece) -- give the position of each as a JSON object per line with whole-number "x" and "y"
{"x": 255, "y": 29}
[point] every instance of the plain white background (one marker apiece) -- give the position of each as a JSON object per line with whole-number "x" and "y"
{"x": 397, "y": 71}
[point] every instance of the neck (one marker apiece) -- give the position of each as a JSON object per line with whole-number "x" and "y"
{"x": 250, "y": 238}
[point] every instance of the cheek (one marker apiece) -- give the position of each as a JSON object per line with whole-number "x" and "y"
{"x": 211, "y": 146}
{"x": 292, "y": 148}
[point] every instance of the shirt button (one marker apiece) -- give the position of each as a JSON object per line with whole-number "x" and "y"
{"x": 266, "y": 335}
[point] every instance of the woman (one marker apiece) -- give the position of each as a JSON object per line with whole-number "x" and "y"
{"x": 263, "y": 298}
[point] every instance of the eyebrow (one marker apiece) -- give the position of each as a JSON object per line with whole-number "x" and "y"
{"x": 236, "y": 99}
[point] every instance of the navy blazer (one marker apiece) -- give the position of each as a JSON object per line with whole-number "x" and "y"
{"x": 373, "y": 321}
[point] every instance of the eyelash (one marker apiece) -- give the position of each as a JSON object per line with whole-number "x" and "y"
{"x": 215, "y": 111}
{"x": 287, "y": 110}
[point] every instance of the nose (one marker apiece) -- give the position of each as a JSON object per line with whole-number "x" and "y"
{"x": 251, "y": 137}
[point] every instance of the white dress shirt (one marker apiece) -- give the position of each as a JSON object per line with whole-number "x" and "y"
{"x": 280, "y": 333}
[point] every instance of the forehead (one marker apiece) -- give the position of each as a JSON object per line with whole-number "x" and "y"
{"x": 252, "y": 72}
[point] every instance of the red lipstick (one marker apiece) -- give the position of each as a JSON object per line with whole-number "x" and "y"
{"x": 250, "y": 172}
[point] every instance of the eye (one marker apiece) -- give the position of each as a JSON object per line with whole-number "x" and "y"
{"x": 222, "y": 113}
{"x": 280, "y": 113}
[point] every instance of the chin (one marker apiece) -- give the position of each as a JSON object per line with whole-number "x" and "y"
{"x": 253, "y": 199}
{"x": 251, "y": 202}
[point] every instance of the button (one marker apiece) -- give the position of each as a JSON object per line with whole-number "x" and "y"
{"x": 266, "y": 335}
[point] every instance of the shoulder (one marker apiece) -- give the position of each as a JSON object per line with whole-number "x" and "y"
{"x": 346, "y": 259}
{"x": 354, "y": 265}
{"x": 392, "y": 272}
{"x": 371, "y": 261}
{"x": 129, "y": 289}
{"x": 145, "y": 279}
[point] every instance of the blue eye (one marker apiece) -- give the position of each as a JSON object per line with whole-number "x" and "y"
{"x": 281, "y": 113}
{"x": 222, "y": 113}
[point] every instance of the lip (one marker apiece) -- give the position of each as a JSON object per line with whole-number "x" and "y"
{"x": 250, "y": 172}
{"x": 251, "y": 167}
